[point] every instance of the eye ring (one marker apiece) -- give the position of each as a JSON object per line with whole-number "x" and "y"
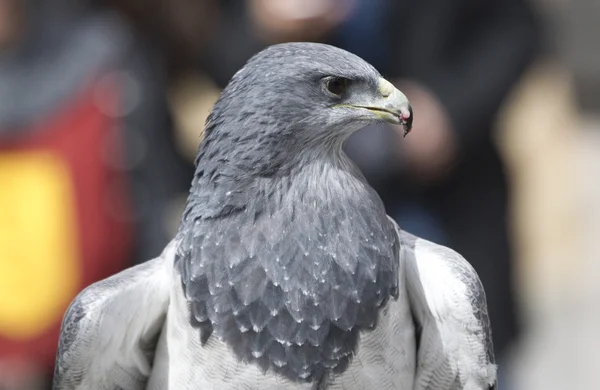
{"x": 336, "y": 85}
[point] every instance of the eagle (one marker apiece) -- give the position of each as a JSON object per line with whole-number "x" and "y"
{"x": 286, "y": 271}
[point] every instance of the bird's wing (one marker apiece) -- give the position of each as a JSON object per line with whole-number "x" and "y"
{"x": 109, "y": 331}
{"x": 449, "y": 307}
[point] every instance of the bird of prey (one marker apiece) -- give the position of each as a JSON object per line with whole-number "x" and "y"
{"x": 286, "y": 272}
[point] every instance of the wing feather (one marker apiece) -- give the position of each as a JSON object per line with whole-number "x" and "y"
{"x": 450, "y": 310}
{"x": 109, "y": 331}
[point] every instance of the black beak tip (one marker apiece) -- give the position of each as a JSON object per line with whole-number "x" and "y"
{"x": 407, "y": 122}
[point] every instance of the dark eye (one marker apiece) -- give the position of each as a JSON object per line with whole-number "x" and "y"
{"x": 337, "y": 85}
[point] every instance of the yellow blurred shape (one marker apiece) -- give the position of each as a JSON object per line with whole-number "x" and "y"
{"x": 39, "y": 272}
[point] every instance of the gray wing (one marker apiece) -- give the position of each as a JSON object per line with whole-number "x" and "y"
{"x": 109, "y": 331}
{"x": 449, "y": 307}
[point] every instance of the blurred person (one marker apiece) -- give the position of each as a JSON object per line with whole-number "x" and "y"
{"x": 456, "y": 61}
{"x": 561, "y": 343}
{"x": 87, "y": 166}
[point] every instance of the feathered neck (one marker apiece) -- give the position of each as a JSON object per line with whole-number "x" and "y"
{"x": 224, "y": 186}
{"x": 287, "y": 268}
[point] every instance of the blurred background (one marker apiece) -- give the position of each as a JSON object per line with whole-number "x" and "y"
{"x": 102, "y": 106}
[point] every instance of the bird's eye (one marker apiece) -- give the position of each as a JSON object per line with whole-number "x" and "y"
{"x": 337, "y": 85}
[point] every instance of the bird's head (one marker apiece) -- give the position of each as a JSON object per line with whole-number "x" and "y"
{"x": 304, "y": 94}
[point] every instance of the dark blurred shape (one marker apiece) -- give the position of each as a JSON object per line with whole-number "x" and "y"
{"x": 87, "y": 164}
{"x": 578, "y": 29}
{"x": 178, "y": 28}
{"x": 11, "y": 15}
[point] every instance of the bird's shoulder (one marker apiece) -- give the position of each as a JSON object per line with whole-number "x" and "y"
{"x": 124, "y": 312}
{"x": 449, "y": 306}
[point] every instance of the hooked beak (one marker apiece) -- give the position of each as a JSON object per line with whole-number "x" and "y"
{"x": 392, "y": 106}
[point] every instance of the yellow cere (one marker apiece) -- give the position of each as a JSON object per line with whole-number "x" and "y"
{"x": 385, "y": 87}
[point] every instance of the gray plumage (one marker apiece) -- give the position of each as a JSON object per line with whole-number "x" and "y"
{"x": 286, "y": 270}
